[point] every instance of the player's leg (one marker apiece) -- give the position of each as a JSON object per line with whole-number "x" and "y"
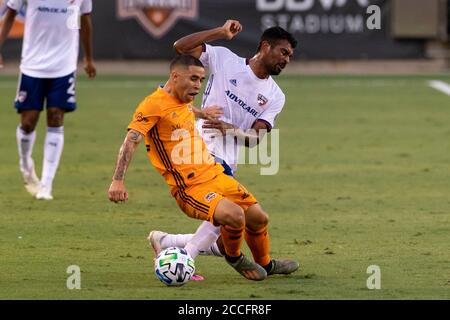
{"x": 29, "y": 103}
{"x": 60, "y": 99}
{"x": 53, "y": 146}
{"x": 256, "y": 232}
{"x": 232, "y": 220}
{"x": 26, "y": 136}
{"x": 257, "y": 238}
{"x": 203, "y": 242}
{"x": 196, "y": 244}
{"x": 206, "y": 240}
{"x": 204, "y": 203}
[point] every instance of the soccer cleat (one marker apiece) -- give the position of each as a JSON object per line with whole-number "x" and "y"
{"x": 44, "y": 193}
{"x": 154, "y": 238}
{"x": 31, "y": 181}
{"x": 197, "y": 277}
{"x": 283, "y": 267}
{"x": 248, "y": 268}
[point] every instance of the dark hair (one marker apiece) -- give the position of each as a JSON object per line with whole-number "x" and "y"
{"x": 275, "y": 34}
{"x": 185, "y": 60}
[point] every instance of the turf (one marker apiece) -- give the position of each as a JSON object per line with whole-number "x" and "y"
{"x": 363, "y": 180}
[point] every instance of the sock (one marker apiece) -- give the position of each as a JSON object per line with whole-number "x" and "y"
{"x": 205, "y": 236}
{"x": 175, "y": 240}
{"x": 232, "y": 240}
{"x": 268, "y": 267}
{"x": 54, "y": 142}
{"x": 258, "y": 242}
{"x": 213, "y": 250}
{"x": 25, "y": 143}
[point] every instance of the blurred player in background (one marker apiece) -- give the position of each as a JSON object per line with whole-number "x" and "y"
{"x": 201, "y": 189}
{"x": 250, "y": 99}
{"x": 47, "y": 74}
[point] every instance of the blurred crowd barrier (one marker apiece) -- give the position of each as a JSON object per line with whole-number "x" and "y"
{"x": 326, "y": 29}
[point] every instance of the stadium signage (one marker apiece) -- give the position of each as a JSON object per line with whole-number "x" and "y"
{"x": 157, "y": 17}
{"x": 315, "y": 16}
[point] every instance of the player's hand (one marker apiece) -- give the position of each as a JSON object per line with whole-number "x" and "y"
{"x": 117, "y": 191}
{"x": 231, "y": 28}
{"x": 1, "y": 61}
{"x": 212, "y": 112}
{"x": 218, "y": 125}
{"x": 90, "y": 68}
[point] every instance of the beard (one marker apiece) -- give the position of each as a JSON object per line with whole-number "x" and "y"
{"x": 275, "y": 70}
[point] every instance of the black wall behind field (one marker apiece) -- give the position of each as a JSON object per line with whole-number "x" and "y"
{"x": 116, "y": 38}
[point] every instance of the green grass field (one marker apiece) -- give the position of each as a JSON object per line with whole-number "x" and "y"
{"x": 364, "y": 180}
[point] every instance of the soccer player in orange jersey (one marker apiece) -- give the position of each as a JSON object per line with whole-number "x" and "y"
{"x": 200, "y": 188}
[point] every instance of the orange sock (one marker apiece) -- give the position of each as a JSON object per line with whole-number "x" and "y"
{"x": 232, "y": 240}
{"x": 258, "y": 242}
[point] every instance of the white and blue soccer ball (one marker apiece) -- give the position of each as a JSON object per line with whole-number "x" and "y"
{"x": 174, "y": 266}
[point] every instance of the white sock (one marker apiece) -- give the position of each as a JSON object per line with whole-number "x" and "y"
{"x": 25, "y": 143}
{"x": 213, "y": 250}
{"x": 203, "y": 240}
{"x": 175, "y": 240}
{"x": 54, "y": 142}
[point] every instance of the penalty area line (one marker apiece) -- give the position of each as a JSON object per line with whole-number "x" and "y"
{"x": 440, "y": 86}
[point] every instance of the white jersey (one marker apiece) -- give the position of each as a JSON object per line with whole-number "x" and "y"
{"x": 243, "y": 96}
{"x": 51, "y": 39}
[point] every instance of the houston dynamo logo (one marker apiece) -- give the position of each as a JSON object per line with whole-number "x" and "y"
{"x": 157, "y": 17}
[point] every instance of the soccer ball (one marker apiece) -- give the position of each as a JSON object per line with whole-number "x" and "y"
{"x": 174, "y": 266}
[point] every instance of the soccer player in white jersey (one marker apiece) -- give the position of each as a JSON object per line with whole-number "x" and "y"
{"x": 250, "y": 99}
{"x": 47, "y": 74}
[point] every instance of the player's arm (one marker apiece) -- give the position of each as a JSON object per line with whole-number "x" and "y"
{"x": 250, "y": 138}
{"x": 117, "y": 191}
{"x": 208, "y": 113}
{"x": 86, "y": 43}
{"x": 192, "y": 44}
{"x": 8, "y": 21}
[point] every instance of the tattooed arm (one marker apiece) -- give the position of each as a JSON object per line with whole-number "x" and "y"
{"x": 117, "y": 191}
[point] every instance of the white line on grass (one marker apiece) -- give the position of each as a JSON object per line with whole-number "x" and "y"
{"x": 440, "y": 86}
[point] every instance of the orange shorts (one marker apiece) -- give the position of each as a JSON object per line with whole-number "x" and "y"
{"x": 200, "y": 201}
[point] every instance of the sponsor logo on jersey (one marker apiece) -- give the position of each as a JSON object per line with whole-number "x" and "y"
{"x": 262, "y": 100}
{"x": 210, "y": 196}
{"x": 241, "y": 103}
{"x": 233, "y": 82}
{"x": 157, "y": 17}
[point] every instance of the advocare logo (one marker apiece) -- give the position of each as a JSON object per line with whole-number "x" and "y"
{"x": 157, "y": 17}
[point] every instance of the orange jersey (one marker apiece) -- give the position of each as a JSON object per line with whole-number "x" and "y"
{"x": 174, "y": 146}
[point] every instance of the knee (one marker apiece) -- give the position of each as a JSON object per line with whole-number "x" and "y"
{"x": 258, "y": 220}
{"x": 236, "y": 217}
{"x": 55, "y": 118}
{"x": 27, "y": 126}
